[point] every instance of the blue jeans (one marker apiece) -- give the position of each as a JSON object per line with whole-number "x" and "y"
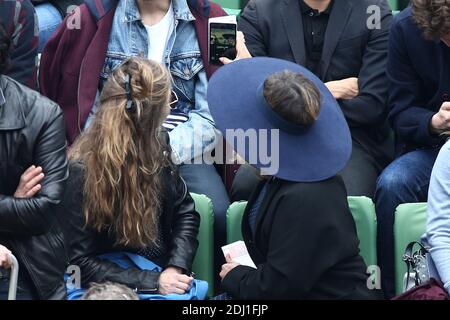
{"x": 405, "y": 180}
{"x": 49, "y": 18}
{"x": 204, "y": 179}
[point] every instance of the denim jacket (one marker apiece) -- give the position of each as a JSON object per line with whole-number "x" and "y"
{"x": 129, "y": 38}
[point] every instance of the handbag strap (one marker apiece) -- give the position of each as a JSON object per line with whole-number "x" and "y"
{"x": 409, "y": 258}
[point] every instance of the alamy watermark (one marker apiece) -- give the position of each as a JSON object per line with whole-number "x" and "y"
{"x": 374, "y": 279}
{"x": 73, "y": 280}
{"x": 73, "y": 21}
{"x": 374, "y": 19}
{"x": 256, "y": 146}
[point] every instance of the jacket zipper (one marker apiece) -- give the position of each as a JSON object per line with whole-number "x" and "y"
{"x": 78, "y": 97}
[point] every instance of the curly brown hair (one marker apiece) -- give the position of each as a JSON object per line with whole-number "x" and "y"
{"x": 124, "y": 156}
{"x": 433, "y": 17}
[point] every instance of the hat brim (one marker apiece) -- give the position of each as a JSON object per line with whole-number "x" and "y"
{"x": 317, "y": 154}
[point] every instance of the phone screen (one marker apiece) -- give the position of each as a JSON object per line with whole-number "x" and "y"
{"x": 222, "y": 41}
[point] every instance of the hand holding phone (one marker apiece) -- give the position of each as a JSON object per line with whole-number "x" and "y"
{"x": 241, "y": 49}
{"x": 222, "y": 33}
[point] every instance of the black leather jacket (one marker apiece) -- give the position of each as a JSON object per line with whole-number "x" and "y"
{"x": 179, "y": 226}
{"x": 32, "y": 133}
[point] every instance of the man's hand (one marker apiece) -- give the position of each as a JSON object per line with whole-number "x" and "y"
{"x": 5, "y": 258}
{"x": 344, "y": 89}
{"x": 241, "y": 48}
{"x": 440, "y": 122}
{"x": 172, "y": 281}
{"x": 227, "y": 267}
{"x": 29, "y": 182}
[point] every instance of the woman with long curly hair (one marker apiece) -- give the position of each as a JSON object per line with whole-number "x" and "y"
{"x": 124, "y": 193}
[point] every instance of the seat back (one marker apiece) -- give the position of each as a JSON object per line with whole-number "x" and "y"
{"x": 203, "y": 266}
{"x": 363, "y": 211}
{"x": 231, "y": 4}
{"x": 394, "y": 5}
{"x": 233, "y": 12}
{"x": 234, "y": 221}
{"x": 410, "y": 225}
{"x": 231, "y": 7}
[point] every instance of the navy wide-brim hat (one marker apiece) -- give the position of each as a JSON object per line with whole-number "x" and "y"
{"x": 305, "y": 153}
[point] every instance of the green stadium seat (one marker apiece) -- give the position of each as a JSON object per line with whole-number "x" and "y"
{"x": 363, "y": 211}
{"x": 203, "y": 266}
{"x": 394, "y": 5}
{"x": 409, "y": 225}
{"x": 233, "y": 12}
{"x": 231, "y": 7}
{"x": 232, "y": 4}
{"x": 234, "y": 220}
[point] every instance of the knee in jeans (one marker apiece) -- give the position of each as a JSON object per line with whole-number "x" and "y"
{"x": 394, "y": 180}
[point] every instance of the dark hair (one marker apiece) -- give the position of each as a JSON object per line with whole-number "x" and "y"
{"x": 433, "y": 17}
{"x": 293, "y": 97}
{"x": 4, "y": 49}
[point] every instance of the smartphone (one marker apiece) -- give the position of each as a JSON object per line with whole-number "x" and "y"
{"x": 222, "y": 38}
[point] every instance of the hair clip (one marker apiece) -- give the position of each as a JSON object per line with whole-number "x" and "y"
{"x": 130, "y": 104}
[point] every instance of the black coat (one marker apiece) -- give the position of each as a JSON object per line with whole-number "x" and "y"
{"x": 32, "y": 133}
{"x": 305, "y": 246}
{"x": 179, "y": 225}
{"x": 274, "y": 28}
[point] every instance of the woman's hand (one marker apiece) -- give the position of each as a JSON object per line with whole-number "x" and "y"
{"x": 172, "y": 281}
{"x": 227, "y": 267}
{"x": 241, "y": 48}
{"x": 29, "y": 183}
{"x": 5, "y": 258}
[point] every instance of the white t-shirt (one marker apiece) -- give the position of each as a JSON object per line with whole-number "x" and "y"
{"x": 158, "y": 35}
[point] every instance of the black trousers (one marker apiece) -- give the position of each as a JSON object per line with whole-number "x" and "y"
{"x": 25, "y": 287}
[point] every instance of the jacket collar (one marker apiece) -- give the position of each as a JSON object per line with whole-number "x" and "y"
{"x": 11, "y": 116}
{"x": 293, "y": 22}
{"x": 340, "y": 15}
{"x": 292, "y": 19}
{"x": 129, "y": 11}
{"x": 100, "y": 8}
{"x": 273, "y": 186}
{"x": 305, "y": 9}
